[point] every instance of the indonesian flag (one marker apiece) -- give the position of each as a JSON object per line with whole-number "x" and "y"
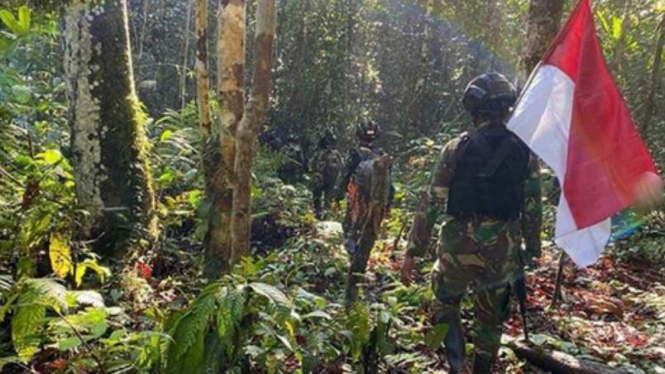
{"x": 574, "y": 118}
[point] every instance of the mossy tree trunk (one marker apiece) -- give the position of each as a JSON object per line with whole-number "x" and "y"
{"x": 542, "y": 26}
{"x": 250, "y": 126}
{"x": 108, "y": 140}
{"x": 231, "y": 90}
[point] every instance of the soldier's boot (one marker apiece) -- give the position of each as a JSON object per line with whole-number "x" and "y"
{"x": 456, "y": 348}
{"x": 482, "y": 364}
{"x": 448, "y": 312}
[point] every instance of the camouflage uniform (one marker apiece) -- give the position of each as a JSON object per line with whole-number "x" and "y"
{"x": 327, "y": 165}
{"x": 294, "y": 169}
{"x": 363, "y": 218}
{"x": 474, "y": 251}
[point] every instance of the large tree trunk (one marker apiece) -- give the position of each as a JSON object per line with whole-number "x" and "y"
{"x": 251, "y": 124}
{"x": 656, "y": 80}
{"x": 542, "y": 25}
{"x": 231, "y": 90}
{"x": 185, "y": 57}
{"x": 210, "y": 158}
{"x": 108, "y": 140}
{"x": 202, "y": 87}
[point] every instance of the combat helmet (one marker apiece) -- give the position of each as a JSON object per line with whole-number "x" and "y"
{"x": 368, "y": 130}
{"x": 489, "y": 93}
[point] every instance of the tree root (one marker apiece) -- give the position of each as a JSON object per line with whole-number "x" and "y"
{"x": 559, "y": 362}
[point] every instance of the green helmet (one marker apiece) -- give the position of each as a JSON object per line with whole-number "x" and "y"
{"x": 489, "y": 93}
{"x": 368, "y": 130}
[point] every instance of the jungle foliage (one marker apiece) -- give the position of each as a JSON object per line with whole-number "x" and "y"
{"x": 66, "y": 309}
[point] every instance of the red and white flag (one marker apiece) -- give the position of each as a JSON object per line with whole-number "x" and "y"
{"x": 574, "y": 118}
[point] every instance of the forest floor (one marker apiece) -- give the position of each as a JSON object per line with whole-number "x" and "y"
{"x": 612, "y": 312}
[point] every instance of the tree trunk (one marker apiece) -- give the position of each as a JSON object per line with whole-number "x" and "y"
{"x": 231, "y": 90}
{"x": 542, "y": 25}
{"x": 185, "y": 57}
{"x": 210, "y": 159}
{"x": 202, "y": 86}
{"x": 656, "y": 80}
{"x": 108, "y": 140}
{"x": 559, "y": 362}
{"x": 250, "y": 126}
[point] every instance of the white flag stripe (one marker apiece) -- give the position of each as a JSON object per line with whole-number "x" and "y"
{"x": 583, "y": 246}
{"x": 542, "y": 119}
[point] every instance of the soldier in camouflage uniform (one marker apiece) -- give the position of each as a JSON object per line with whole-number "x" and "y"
{"x": 486, "y": 188}
{"x": 366, "y": 181}
{"x": 327, "y": 166}
{"x": 295, "y": 168}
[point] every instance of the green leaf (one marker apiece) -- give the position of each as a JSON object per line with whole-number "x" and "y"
{"x": 101, "y": 271}
{"x": 10, "y": 21}
{"x": 24, "y": 19}
{"x": 50, "y": 157}
{"x": 28, "y": 319}
{"x": 617, "y": 27}
{"x": 603, "y": 21}
{"x": 434, "y": 337}
{"x": 188, "y": 346}
{"x": 22, "y": 94}
{"x": 270, "y": 292}
{"x": 285, "y": 341}
{"x": 69, "y": 343}
{"x": 166, "y": 135}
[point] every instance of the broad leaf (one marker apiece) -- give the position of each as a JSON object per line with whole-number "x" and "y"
{"x": 60, "y": 255}
{"x": 10, "y": 21}
{"x": 270, "y": 292}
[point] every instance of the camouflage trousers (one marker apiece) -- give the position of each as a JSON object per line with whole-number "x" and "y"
{"x": 323, "y": 191}
{"x": 362, "y": 226}
{"x": 479, "y": 255}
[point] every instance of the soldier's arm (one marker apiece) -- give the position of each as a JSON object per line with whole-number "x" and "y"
{"x": 532, "y": 213}
{"x": 433, "y": 203}
{"x": 352, "y": 162}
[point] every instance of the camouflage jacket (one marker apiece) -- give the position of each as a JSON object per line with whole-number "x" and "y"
{"x": 327, "y": 160}
{"x": 433, "y": 207}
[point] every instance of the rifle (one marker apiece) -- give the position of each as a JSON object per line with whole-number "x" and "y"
{"x": 520, "y": 290}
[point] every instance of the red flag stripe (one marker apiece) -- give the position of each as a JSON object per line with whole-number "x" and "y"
{"x": 606, "y": 155}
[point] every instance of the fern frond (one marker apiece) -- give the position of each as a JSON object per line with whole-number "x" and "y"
{"x": 50, "y": 293}
{"x": 6, "y": 283}
{"x": 188, "y": 347}
{"x": 35, "y": 295}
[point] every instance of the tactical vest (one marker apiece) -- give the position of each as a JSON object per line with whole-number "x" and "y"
{"x": 490, "y": 173}
{"x": 363, "y": 173}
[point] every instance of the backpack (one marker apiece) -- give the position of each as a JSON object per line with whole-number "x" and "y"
{"x": 491, "y": 170}
{"x": 364, "y": 173}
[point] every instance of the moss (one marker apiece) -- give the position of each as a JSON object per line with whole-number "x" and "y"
{"x": 121, "y": 172}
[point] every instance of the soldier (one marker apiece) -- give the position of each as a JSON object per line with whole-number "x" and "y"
{"x": 327, "y": 166}
{"x": 486, "y": 187}
{"x": 366, "y": 180}
{"x": 295, "y": 168}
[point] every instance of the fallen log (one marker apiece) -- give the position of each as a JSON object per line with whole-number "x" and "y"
{"x": 559, "y": 362}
